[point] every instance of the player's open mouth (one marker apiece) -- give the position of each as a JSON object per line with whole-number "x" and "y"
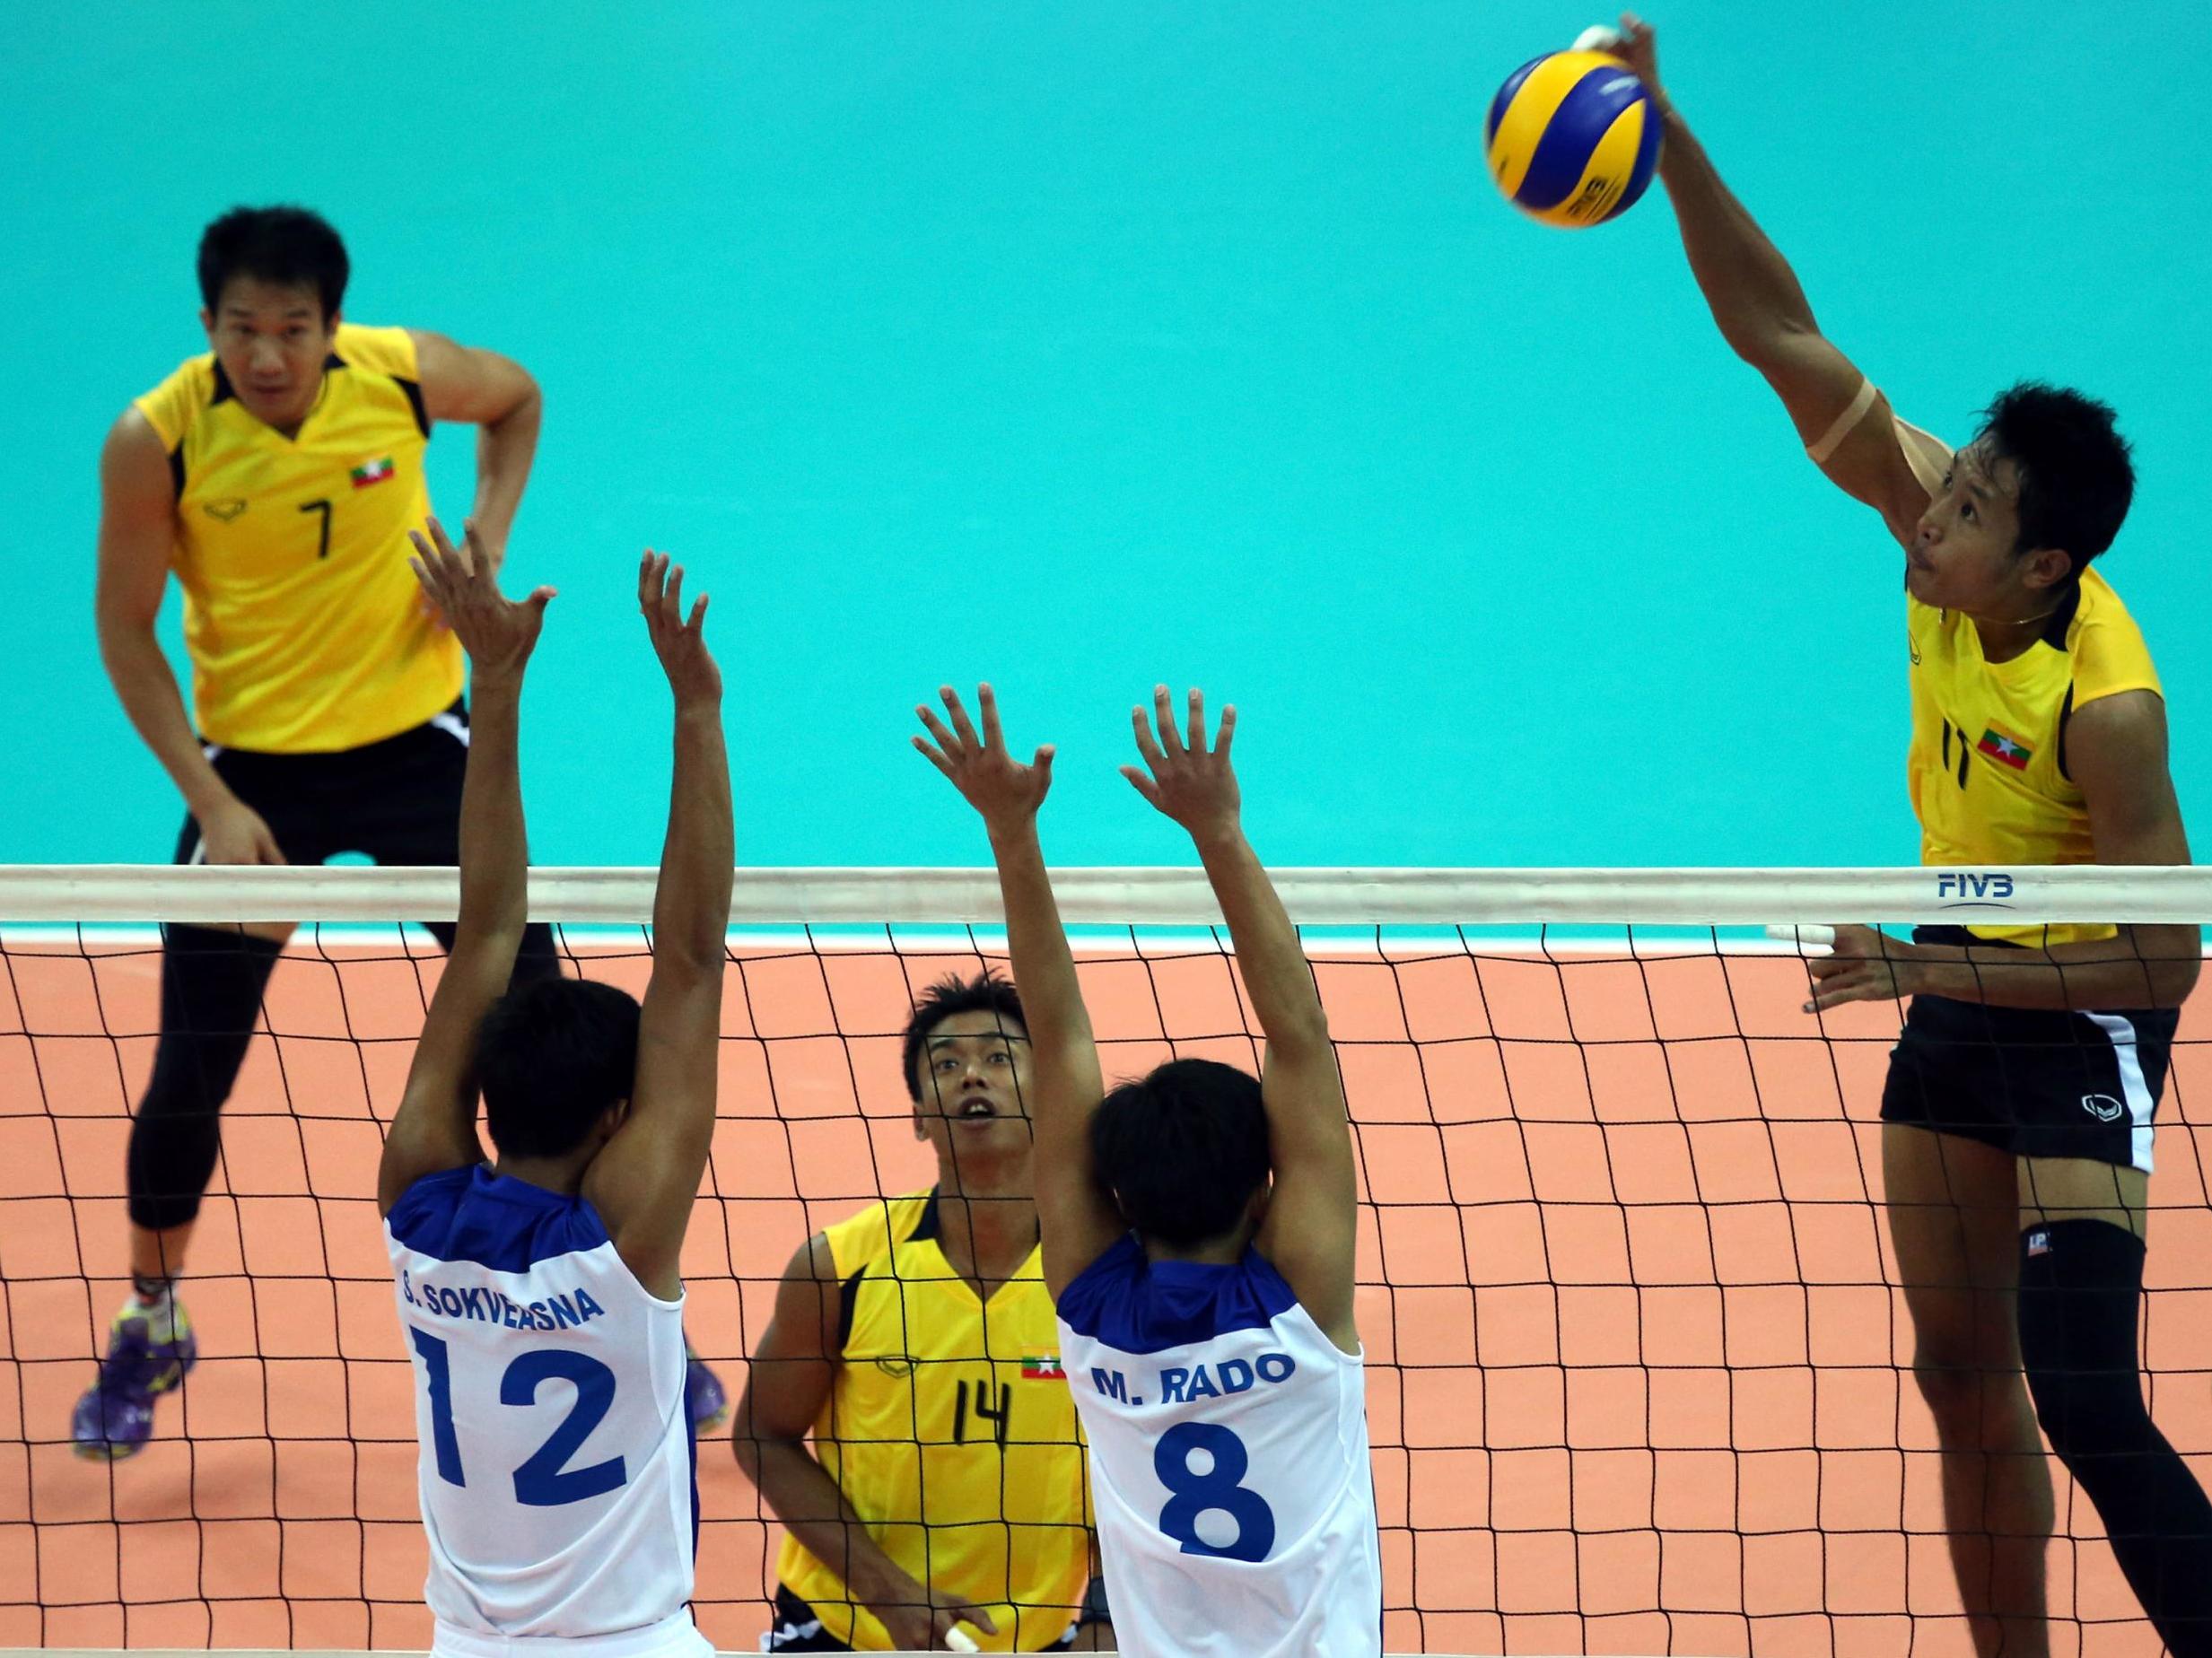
{"x": 977, "y": 1111}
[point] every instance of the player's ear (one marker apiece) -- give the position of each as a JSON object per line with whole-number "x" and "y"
{"x": 207, "y": 322}
{"x": 2047, "y": 567}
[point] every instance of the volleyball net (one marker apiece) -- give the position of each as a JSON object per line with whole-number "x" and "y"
{"x": 1639, "y": 1380}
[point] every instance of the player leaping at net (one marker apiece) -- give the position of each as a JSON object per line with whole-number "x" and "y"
{"x": 2017, "y": 1118}
{"x": 1206, "y": 1311}
{"x": 540, "y": 1293}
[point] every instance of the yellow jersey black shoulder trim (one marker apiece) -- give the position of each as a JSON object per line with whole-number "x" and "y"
{"x": 415, "y": 401}
{"x": 2055, "y": 626}
{"x": 926, "y": 1225}
{"x": 848, "y": 1299}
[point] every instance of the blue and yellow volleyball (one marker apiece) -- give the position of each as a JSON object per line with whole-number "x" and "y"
{"x": 1573, "y": 139}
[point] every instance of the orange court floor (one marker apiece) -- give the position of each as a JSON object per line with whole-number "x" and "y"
{"x": 1637, "y": 1380}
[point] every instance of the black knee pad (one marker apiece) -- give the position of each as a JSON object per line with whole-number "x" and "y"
{"x": 2080, "y": 1283}
{"x": 212, "y": 982}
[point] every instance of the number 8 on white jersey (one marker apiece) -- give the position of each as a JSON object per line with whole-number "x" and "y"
{"x": 1229, "y": 1453}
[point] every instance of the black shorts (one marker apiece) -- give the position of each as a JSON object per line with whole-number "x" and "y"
{"x": 2034, "y": 1082}
{"x": 797, "y": 1629}
{"x": 398, "y": 802}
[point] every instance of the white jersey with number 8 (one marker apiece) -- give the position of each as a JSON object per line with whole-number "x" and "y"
{"x": 556, "y": 1465}
{"x": 1228, "y": 1458}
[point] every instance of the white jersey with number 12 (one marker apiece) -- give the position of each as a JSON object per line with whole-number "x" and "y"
{"x": 556, "y": 1465}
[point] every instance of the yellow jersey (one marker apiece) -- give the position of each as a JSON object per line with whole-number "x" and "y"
{"x": 305, "y": 624}
{"x": 951, "y": 1431}
{"x": 1987, "y": 766}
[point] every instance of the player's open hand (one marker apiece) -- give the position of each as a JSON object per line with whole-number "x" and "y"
{"x": 1636, "y": 44}
{"x": 1861, "y": 965}
{"x": 680, "y": 642}
{"x": 463, "y": 583}
{"x": 1006, "y": 792}
{"x": 1190, "y": 783}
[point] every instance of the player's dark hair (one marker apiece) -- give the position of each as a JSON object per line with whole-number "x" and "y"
{"x": 551, "y": 1057}
{"x": 1183, "y": 1149}
{"x": 2076, "y": 478}
{"x": 986, "y": 992}
{"x": 289, "y": 247}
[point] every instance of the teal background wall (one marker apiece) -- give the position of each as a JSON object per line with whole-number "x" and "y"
{"x": 1078, "y": 347}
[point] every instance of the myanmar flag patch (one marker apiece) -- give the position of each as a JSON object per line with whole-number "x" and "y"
{"x": 373, "y": 472}
{"x": 2005, "y": 750}
{"x": 1042, "y": 1369}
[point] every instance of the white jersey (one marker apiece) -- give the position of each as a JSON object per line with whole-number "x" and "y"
{"x": 556, "y": 1460}
{"x": 1228, "y": 1461}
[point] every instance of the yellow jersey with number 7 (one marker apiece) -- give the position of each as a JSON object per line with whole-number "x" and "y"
{"x": 306, "y": 630}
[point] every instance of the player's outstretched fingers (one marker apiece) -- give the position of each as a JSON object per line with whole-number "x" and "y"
{"x": 931, "y": 753}
{"x": 947, "y": 741}
{"x": 987, "y": 707}
{"x": 1143, "y": 784}
{"x": 1148, "y": 746}
{"x": 1225, "y": 730}
{"x": 1164, "y": 716}
{"x": 1194, "y": 738}
{"x": 959, "y": 713}
{"x": 428, "y": 574}
{"x": 479, "y": 561}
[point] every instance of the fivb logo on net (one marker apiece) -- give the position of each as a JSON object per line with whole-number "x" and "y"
{"x": 1973, "y": 889}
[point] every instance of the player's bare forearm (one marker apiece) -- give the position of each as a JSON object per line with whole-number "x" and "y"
{"x": 2141, "y": 967}
{"x": 146, "y": 685}
{"x": 1754, "y": 296}
{"x": 810, "y": 1505}
{"x": 1052, "y": 998}
{"x": 494, "y": 856}
{"x": 691, "y": 907}
{"x": 505, "y": 447}
{"x": 1268, "y": 952}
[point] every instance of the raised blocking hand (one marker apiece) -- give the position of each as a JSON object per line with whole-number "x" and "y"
{"x": 1184, "y": 780}
{"x": 1001, "y": 789}
{"x": 679, "y": 643}
{"x": 498, "y": 632}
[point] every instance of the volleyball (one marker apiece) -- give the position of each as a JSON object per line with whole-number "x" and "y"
{"x": 1573, "y": 139}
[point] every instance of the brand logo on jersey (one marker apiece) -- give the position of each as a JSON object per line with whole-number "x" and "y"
{"x": 2039, "y": 1242}
{"x": 1913, "y": 651}
{"x": 373, "y": 472}
{"x": 896, "y": 1365}
{"x": 2103, "y": 1107}
{"x": 1967, "y": 890}
{"x": 2005, "y": 749}
{"x": 1047, "y": 1368}
{"x": 222, "y": 512}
